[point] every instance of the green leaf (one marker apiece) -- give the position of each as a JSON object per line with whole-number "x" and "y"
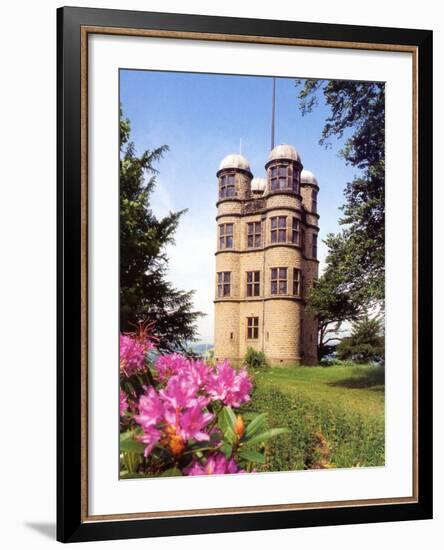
{"x": 227, "y": 421}
{"x": 126, "y": 435}
{"x": 130, "y": 445}
{"x": 227, "y": 450}
{"x": 257, "y": 424}
{"x": 171, "y": 472}
{"x": 252, "y": 456}
{"x": 260, "y": 438}
{"x": 230, "y": 417}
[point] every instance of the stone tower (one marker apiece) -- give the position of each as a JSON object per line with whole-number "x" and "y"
{"x": 266, "y": 259}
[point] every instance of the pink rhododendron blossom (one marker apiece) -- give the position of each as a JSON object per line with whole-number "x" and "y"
{"x": 132, "y": 354}
{"x": 151, "y": 412}
{"x": 170, "y": 365}
{"x": 123, "y": 403}
{"x": 150, "y": 438}
{"x": 174, "y": 415}
{"x": 177, "y": 413}
{"x": 198, "y": 373}
{"x": 216, "y": 463}
{"x": 151, "y": 408}
{"x": 192, "y": 423}
{"x": 231, "y": 387}
{"x": 180, "y": 393}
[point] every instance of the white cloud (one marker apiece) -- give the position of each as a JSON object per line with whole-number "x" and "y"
{"x": 192, "y": 267}
{"x": 161, "y": 201}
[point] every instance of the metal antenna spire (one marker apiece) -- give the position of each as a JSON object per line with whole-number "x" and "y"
{"x": 273, "y": 110}
{"x": 240, "y": 146}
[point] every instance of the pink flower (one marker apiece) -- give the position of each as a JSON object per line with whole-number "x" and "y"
{"x": 177, "y": 413}
{"x": 151, "y": 408}
{"x": 173, "y": 418}
{"x": 216, "y": 463}
{"x": 151, "y": 413}
{"x": 123, "y": 403}
{"x": 170, "y": 365}
{"x": 192, "y": 423}
{"x": 132, "y": 354}
{"x": 231, "y": 387}
{"x": 150, "y": 437}
{"x": 180, "y": 393}
{"x": 198, "y": 373}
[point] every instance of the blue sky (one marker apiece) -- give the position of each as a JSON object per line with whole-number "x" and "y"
{"x": 202, "y": 118}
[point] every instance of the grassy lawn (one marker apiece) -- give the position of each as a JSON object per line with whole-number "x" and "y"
{"x": 335, "y": 416}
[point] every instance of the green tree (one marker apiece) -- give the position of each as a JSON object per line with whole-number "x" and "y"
{"x": 357, "y": 111}
{"x": 145, "y": 294}
{"x": 366, "y": 342}
{"x": 330, "y": 301}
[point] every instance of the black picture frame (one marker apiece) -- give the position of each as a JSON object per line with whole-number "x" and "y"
{"x": 71, "y": 523}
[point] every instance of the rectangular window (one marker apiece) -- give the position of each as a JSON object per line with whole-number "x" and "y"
{"x": 279, "y": 229}
{"x": 296, "y": 178}
{"x": 314, "y": 244}
{"x": 278, "y": 177}
{"x": 252, "y": 328}
{"x": 227, "y": 188}
{"x": 253, "y": 283}
{"x": 314, "y": 200}
{"x": 226, "y": 235}
{"x": 223, "y": 284}
{"x": 297, "y": 282}
{"x": 279, "y": 280}
{"x": 296, "y": 231}
{"x": 254, "y": 234}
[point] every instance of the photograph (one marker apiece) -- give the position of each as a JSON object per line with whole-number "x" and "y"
{"x": 252, "y": 274}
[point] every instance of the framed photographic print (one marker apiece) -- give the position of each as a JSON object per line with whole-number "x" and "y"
{"x": 245, "y": 265}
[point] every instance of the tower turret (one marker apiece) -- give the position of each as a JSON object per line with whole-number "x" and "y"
{"x": 258, "y": 187}
{"x": 309, "y": 191}
{"x": 234, "y": 176}
{"x": 284, "y": 169}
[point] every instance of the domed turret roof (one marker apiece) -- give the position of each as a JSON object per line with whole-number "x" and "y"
{"x": 258, "y": 184}
{"x": 235, "y": 161}
{"x": 308, "y": 177}
{"x": 287, "y": 152}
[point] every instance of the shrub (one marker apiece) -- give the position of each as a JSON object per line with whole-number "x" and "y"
{"x": 181, "y": 416}
{"x": 366, "y": 342}
{"x": 255, "y": 359}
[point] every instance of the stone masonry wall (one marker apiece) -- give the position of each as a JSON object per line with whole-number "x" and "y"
{"x": 287, "y": 331}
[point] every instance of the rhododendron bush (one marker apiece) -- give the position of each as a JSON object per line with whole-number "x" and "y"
{"x": 183, "y": 416}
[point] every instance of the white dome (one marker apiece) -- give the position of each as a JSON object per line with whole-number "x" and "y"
{"x": 235, "y": 161}
{"x": 308, "y": 177}
{"x": 287, "y": 152}
{"x": 258, "y": 184}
